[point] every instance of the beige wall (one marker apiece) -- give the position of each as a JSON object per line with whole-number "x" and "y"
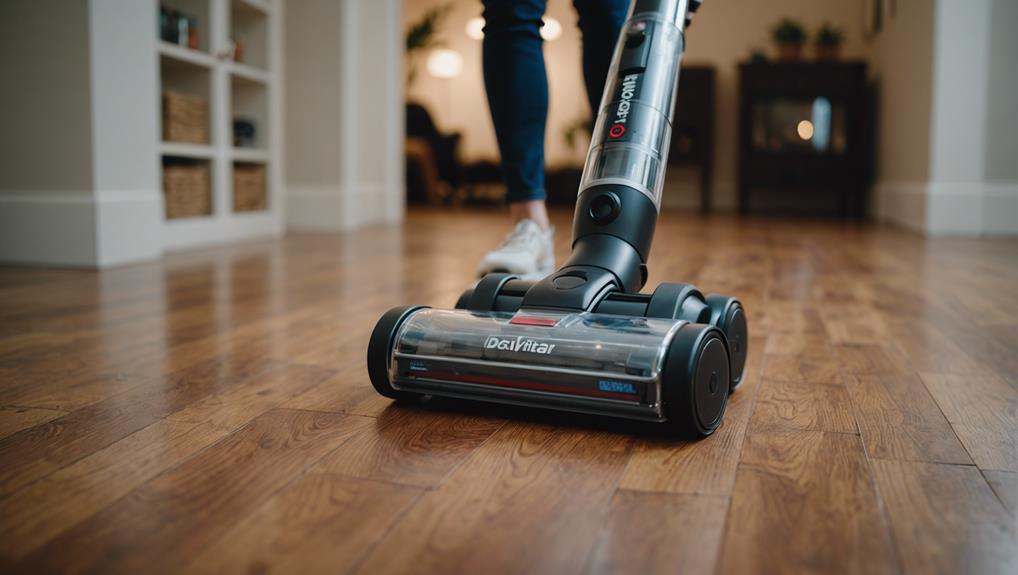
{"x": 901, "y": 64}
{"x": 1002, "y": 94}
{"x": 344, "y": 113}
{"x": 723, "y": 34}
{"x": 312, "y": 150}
{"x": 45, "y": 103}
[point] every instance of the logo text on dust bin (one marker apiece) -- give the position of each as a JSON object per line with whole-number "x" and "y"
{"x": 520, "y": 344}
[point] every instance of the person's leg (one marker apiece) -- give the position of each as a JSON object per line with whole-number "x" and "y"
{"x": 517, "y": 86}
{"x": 601, "y": 23}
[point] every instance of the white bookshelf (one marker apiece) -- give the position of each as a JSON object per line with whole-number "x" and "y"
{"x": 248, "y": 89}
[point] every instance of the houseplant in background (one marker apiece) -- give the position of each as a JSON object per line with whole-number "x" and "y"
{"x": 828, "y": 42}
{"x": 422, "y": 36}
{"x": 790, "y": 36}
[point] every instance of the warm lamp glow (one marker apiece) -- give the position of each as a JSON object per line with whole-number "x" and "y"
{"x": 445, "y": 63}
{"x": 475, "y": 28}
{"x": 805, "y": 129}
{"x": 551, "y": 30}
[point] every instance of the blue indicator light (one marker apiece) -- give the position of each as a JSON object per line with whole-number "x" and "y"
{"x": 616, "y": 386}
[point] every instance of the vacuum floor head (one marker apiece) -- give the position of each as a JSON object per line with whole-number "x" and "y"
{"x": 666, "y": 371}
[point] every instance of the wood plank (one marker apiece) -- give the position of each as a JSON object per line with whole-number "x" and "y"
{"x": 530, "y": 502}
{"x": 868, "y": 359}
{"x": 348, "y": 391}
{"x": 984, "y": 413}
{"x": 853, "y": 323}
{"x": 800, "y": 358}
{"x": 899, "y": 420}
{"x": 59, "y": 501}
{"x": 804, "y": 501}
{"x": 946, "y": 519}
{"x": 34, "y": 453}
{"x": 801, "y": 405}
{"x": 411, "y": 445}
{"x": 322, "y": 523}
{"x": 161, "y": 525}
{"x": 14, "y": 419}
{"x": 1005, "y": 485}
{"x": 660, "y": 533}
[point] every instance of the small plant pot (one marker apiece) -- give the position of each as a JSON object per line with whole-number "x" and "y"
{"x": 828, "y": 52}
{"x": 789, "y": 52}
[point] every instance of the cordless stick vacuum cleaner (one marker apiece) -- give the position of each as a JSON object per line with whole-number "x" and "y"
{"x": 584, "y": 339}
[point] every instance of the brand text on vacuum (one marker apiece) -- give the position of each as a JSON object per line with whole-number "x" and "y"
{"x": 519, "y": 344}
{"x": 628, "y": 91}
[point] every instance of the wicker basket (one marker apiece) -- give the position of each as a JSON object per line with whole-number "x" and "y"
{"x": 185, "y": 118}
{"x": 187, "y": 190}
{"x": 248, "y": 188}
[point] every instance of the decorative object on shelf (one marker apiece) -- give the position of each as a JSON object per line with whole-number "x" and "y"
{"x": 186, "y": 188}
{"x": 192, "y": 34}
{"x": 178, "y": 28}
{"x": 249, "y": 188}
{"x": 185, "y": 118}
{"x": 790, "y": 36}
{"x": 421, "y": 37}
{"x": 167, "y": 25}
{"x": 244, "y": 131}
{"x": 828, "y": 42}
{"x": 236, "y": 52}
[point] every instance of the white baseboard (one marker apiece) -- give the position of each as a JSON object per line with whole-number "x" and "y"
{"x": 965, "y": 208}
{"x": 335, "y": 209}
{"x": 128, "y": 225}
{"x": 79, "y": 228}
{"x": 950, "y": 208}
{"x": 902, "y": 204}
{"x": 314, "y": 208}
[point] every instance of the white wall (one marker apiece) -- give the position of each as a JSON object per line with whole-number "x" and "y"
{"x": 79, "y": 110}
{"x": 344, "y": 115}
{"x": 948, "y": 138}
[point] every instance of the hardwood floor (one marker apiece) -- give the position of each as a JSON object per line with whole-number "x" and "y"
{"x": 211, "y": 413}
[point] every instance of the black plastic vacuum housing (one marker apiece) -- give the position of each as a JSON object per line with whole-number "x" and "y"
{"x": 584, "y": 338}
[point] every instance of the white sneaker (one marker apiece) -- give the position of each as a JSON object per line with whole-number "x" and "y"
{"x": 527, "y": 252}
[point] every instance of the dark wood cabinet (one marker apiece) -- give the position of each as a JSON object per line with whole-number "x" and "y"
{"x": 803, "y": 130}
{"x": 693, "y": 126}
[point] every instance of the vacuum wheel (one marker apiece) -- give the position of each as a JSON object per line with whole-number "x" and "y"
{"x": 696, "y": 381}
{"x": 729, "y": 316}
{"x": 380, "y": 347}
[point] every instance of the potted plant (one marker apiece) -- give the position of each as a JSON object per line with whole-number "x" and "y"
{"x": 790, "y": 36}
{"x": 421, "y": 37}
{"x": 828, "y": 42}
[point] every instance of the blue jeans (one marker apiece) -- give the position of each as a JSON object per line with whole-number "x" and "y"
{"x": 517, "y": 83}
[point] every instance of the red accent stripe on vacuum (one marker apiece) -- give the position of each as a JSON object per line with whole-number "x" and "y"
{"x": 520, "y": 384}
{"x": 530, "y": 320}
